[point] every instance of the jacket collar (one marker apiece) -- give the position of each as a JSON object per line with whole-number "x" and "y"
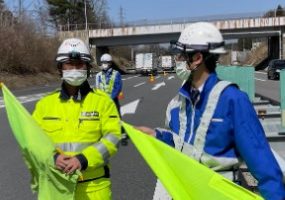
{"x": 81, "y": 94}
{"x": 185, "y": 90}
{"x": 108, "y": 71}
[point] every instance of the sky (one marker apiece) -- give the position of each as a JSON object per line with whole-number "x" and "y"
{"x": 155, "y": 10}
{"x": 135, "y": 10}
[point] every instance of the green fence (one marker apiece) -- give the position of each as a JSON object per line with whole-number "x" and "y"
{"x": 242, "y": 76}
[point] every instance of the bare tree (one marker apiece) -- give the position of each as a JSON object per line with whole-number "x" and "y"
{"x": 71, "y": 13}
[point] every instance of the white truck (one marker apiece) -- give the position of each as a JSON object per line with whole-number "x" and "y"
{"x": 166, "y": 63}
{"x": 139, "y": 62}
{"x": 146, "y": 63}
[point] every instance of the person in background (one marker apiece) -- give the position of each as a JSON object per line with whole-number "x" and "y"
{"x": 110, "y": 81}
{"x": 82, "y": 122}
{"x": 213, "y": 121}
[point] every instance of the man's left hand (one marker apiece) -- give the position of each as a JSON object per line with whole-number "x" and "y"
{"x": 72, "y": 165}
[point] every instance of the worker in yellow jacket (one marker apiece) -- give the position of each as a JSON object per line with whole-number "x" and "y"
{"x": 83, "y": 122}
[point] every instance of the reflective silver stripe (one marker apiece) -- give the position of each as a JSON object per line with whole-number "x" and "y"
{"x": 73, "y": 146}
{"x": 199, "y": 140}
{"x": 216, "y": 163}
{"x": 110, "y": 137}
{"x": 180, "y": 102}
{"x": 103, "y": 151}
{"x": 227, "y": 174}
{"x": 182, "y": 124}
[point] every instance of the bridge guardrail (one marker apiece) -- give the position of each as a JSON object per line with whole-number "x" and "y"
{"x": 146, "y": 22}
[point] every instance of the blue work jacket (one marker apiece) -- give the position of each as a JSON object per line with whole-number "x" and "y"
{"x": 234, "y": 134}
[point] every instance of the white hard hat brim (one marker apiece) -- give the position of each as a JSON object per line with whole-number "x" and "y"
{"x": 217, "y": 48}
{"x": 66, "y": 57}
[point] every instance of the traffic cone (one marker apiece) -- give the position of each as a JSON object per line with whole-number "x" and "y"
{"x": 121, "y": 96}
{"x": 151, "y": 78}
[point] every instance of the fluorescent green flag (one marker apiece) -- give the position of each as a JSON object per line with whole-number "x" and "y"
{"x": 182, "y": 176}
{"x": 38, "y": 151}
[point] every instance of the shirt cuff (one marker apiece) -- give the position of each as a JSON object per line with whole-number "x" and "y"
{"x": 55, "y": 157}
{"x": 83, "y": 161}
{"x": 158, "y": 133}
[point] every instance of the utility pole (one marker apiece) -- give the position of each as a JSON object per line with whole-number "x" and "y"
{"x": 86, "y": 22}
{"x": 85, "y": 13}
{"x": 20, "y": 9}
{"x": 121, "y": 15}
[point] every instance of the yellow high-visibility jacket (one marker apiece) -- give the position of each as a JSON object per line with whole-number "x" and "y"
{"x": 87, "y": 126}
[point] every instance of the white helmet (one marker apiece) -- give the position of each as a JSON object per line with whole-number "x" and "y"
{"x": 106, "y": 58}
{"x": 73, "y": 48}
{"x": 201, "y": 36}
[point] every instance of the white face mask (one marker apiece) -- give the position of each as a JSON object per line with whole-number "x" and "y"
{"x": 74, "y": 77}
{"x": 181, "y": 70}
{"x": 105, "y": 66}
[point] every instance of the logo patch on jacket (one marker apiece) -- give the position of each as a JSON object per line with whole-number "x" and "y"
{"x": 90, "y": 114}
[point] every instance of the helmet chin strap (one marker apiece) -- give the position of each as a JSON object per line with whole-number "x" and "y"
{"x": 192, "y": 70}
{"x": 195, "y": 69}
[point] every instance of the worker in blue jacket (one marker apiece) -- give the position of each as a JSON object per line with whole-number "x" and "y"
{"x": 109, "y": 80}
{"x": 213, "y": 121}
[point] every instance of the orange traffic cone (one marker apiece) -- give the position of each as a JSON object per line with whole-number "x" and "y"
{"x": 121, "y": 96}
{"x": 151, "y": 78}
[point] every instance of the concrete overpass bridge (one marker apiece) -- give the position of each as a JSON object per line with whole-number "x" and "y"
{"x": 99, "y": 40}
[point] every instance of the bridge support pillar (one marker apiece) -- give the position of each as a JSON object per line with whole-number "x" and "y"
{"x": 274, "y": 47}
{"x": 97, "y": 52}
{"x": 282, "y": 42}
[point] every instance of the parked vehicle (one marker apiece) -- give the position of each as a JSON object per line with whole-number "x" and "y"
{"x": 146, "y": 63}
{"x": 139, "y": 62}
{"x": 166, "y": 63}
{"x": 274, "y": 68}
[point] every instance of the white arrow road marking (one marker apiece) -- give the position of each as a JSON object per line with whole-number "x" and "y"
{"x": 170, "y": 77}
{"x": 129, "y": 108}
{"x": 158, "y": 85}
{"x": 24, "y": 99}
{"x": 139, "y": 84}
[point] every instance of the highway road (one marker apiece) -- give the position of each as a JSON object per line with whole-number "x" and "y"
{"x": 144, "y": 103}
{"x": 267, "y": 88}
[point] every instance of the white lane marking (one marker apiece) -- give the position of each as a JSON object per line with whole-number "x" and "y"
{"x": 129, "y": 108}
{"x": 130, "y": 77}
{"x": 170, "y": 77}
{"x": 158, "y": 85}
{"x": 25, "y": 99}
{"x": 139, "y": 84}
{"x": 259, "y": 79}
{"x": 260, "y": 72}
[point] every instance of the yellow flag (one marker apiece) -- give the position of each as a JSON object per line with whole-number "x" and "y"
{"x": 38, "y": 151}
{"x": 183, "y": 177}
